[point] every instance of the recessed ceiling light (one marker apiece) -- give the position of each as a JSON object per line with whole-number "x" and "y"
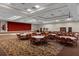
{"x": 69, "y": 19}
{"x": 29, "y": 10}
{"x": 57, "y": 20}
{"x": 37, "y": 6}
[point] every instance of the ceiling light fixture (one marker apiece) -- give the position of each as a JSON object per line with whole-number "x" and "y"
{"x": 69, "y": 19}
{"x": 57, "y": 20}
{"x": 29, "y": 10}
{"x": 37, "y": 6}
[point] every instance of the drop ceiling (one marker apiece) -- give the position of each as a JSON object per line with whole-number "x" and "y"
{"x": 45, "y": 13}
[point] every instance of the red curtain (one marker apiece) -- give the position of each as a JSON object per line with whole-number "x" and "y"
{"x": 14, "y": 26}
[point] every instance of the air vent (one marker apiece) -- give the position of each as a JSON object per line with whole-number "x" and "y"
{"x": 52, "y": 14}
{"x": 22, "y": 3}
{"x": 33, "y": 7}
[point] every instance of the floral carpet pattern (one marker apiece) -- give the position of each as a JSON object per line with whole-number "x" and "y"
{"x": 15, "y": 47}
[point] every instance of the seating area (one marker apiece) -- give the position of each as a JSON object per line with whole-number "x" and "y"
{"x": 44, "y": 38}
{"x": 33, "y": 44}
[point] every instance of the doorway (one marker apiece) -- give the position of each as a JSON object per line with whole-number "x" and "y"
{"x": 3, "y": 26}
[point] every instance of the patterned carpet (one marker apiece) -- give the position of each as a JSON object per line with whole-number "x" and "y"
{"x": 14, "y": 47}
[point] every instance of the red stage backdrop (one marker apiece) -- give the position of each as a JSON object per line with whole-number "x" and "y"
{"x": 15, "y": 26}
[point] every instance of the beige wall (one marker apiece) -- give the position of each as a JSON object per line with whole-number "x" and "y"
{"x": 36, "y": 26}
{"x": 56, "y": 27}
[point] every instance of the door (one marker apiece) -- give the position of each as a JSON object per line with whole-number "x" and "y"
{"x": 3, "y": 26}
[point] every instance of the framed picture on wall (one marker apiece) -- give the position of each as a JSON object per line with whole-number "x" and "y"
{"x": 62, "y": 29}
{"x": 69, "y": 29}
